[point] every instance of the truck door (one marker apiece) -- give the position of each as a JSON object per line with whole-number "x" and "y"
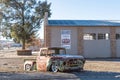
{"x": 42, "y": 61}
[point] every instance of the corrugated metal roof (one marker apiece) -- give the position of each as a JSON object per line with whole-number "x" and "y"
{"x": 83, "y": 23}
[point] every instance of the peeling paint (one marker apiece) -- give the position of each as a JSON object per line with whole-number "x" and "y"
{"x": 62, "y": 62}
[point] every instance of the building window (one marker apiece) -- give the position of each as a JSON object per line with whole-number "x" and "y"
{"x": 104, "y": 36}
{"x": 117, "y": 36}
{"x": 89, "y": 36}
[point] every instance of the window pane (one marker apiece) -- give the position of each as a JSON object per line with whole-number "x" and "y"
{"x": 100, "y": 36}
{"x": 89, "y": 36}
{"x": 117, "y": 36}
{"x": 43, "y": 52}
{"x": 103, "y": 36}
{"x": 107, "y": 36}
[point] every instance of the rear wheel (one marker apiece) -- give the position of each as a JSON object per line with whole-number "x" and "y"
{"x": 54, "y": 67}
{"x": 27, "y": 67}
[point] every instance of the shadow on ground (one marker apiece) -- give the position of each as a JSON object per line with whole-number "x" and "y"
{"x": 84, "y": 75}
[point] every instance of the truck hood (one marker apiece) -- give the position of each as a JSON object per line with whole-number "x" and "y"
{"x": 69, "y": 56}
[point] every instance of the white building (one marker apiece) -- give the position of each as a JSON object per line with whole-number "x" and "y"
{"x": 90, "y": 38}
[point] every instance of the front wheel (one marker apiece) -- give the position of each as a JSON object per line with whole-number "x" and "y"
{"x": 54, "y": 67}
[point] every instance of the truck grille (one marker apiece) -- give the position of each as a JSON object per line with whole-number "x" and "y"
{"x": 73, "y": 62}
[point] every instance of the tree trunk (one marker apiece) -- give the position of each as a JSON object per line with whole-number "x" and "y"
{"x": 23, "y": 23}
{"x": 23, "y": 44}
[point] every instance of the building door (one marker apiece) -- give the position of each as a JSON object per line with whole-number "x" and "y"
{"x": 96, "y": 43}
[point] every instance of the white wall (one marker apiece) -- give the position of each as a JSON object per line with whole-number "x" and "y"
{"x": 92, "y": 48}
{"x": 56, "y": 38}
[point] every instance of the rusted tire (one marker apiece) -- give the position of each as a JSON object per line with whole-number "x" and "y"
{"x": 27, "y": 67}
{"x": 54, "y": 67}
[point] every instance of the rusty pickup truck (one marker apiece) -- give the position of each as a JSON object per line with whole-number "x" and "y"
{"x": 55, "y": 59}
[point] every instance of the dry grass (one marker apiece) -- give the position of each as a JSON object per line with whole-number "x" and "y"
{"x": 103, "y": 66}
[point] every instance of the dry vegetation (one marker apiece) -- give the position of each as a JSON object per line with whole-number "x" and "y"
{"x": 103, "y": 65}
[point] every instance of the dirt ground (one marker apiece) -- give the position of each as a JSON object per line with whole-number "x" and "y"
{"x": 9, "y": 61}
{"x": 104, "y": 65}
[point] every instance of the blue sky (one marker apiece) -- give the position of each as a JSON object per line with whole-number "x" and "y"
{"x": 85, "y": 9}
